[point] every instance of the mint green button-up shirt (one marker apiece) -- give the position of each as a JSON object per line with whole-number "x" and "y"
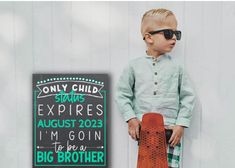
{"x": 155, "y": 85}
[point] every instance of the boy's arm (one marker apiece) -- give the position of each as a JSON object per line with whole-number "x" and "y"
{"x": 186, "y": 100}
{"x": 124, "y": 93}
{"x": 124, "y": 100}
{"x": 186, "y": 103}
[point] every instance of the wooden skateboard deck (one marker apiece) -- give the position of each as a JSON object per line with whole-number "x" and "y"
{"x": 152, "y": 143}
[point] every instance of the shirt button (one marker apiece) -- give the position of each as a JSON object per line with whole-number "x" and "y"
{"x": 155, "y": 83}
{"x": 153, "y": 64}
{"x": 155, "y": 73}
{"x": 154, "y": 93}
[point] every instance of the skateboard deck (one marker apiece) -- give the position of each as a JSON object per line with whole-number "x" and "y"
{"x": 152, "y": 143}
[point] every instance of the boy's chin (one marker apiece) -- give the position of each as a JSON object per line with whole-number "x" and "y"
{"x": 168, "y": 50}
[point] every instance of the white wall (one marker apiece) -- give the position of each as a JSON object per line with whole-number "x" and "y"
{"x": 76, "y": 37}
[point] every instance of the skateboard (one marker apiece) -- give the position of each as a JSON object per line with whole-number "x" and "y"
{"x": 152, "y": 143}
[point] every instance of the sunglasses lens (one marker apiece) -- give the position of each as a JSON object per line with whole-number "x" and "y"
{"x": 168, "y": 34}
{"x": 178, "y": 35}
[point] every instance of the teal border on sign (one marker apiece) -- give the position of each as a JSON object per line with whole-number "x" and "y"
{"x": 35, "y": 107}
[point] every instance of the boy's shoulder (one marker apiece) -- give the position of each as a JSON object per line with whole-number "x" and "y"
{"x": 175, "y": 61}
{"x": 136, "y": 61}
{"x": 141, "y": 60}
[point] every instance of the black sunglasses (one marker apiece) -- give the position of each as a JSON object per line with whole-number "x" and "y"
{"x": 168, "y": 33}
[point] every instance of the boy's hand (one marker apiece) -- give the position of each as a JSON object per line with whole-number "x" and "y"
{"x": 133, "y": 128}
{"x": 177, "y": 133}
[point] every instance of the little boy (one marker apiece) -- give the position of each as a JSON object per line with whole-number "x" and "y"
{"x": 156, "y": 83}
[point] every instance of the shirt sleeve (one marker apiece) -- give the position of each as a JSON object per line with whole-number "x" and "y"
{"x": 186, "y": 100}
{"x": 124, "y": 93}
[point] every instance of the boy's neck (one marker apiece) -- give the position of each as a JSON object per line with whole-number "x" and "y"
{"x": 153, "y": 53}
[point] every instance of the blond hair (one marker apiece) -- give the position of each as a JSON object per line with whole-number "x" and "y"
{"x": 153, "y": 16}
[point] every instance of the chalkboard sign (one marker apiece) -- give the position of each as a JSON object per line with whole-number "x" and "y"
{"x": 70, "y": 120}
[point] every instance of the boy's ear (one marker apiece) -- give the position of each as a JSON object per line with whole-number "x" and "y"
{"x": 148, "y": 38}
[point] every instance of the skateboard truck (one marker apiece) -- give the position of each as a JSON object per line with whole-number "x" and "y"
{"x": 168, "y": 133}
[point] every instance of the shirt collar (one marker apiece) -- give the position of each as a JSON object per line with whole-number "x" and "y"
{"x": 159, "y": 58}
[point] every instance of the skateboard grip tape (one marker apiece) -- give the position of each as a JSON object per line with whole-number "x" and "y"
{"x": 168, "y": 134}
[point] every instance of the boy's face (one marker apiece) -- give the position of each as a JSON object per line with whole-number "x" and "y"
{"x": 157, "y": 42}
